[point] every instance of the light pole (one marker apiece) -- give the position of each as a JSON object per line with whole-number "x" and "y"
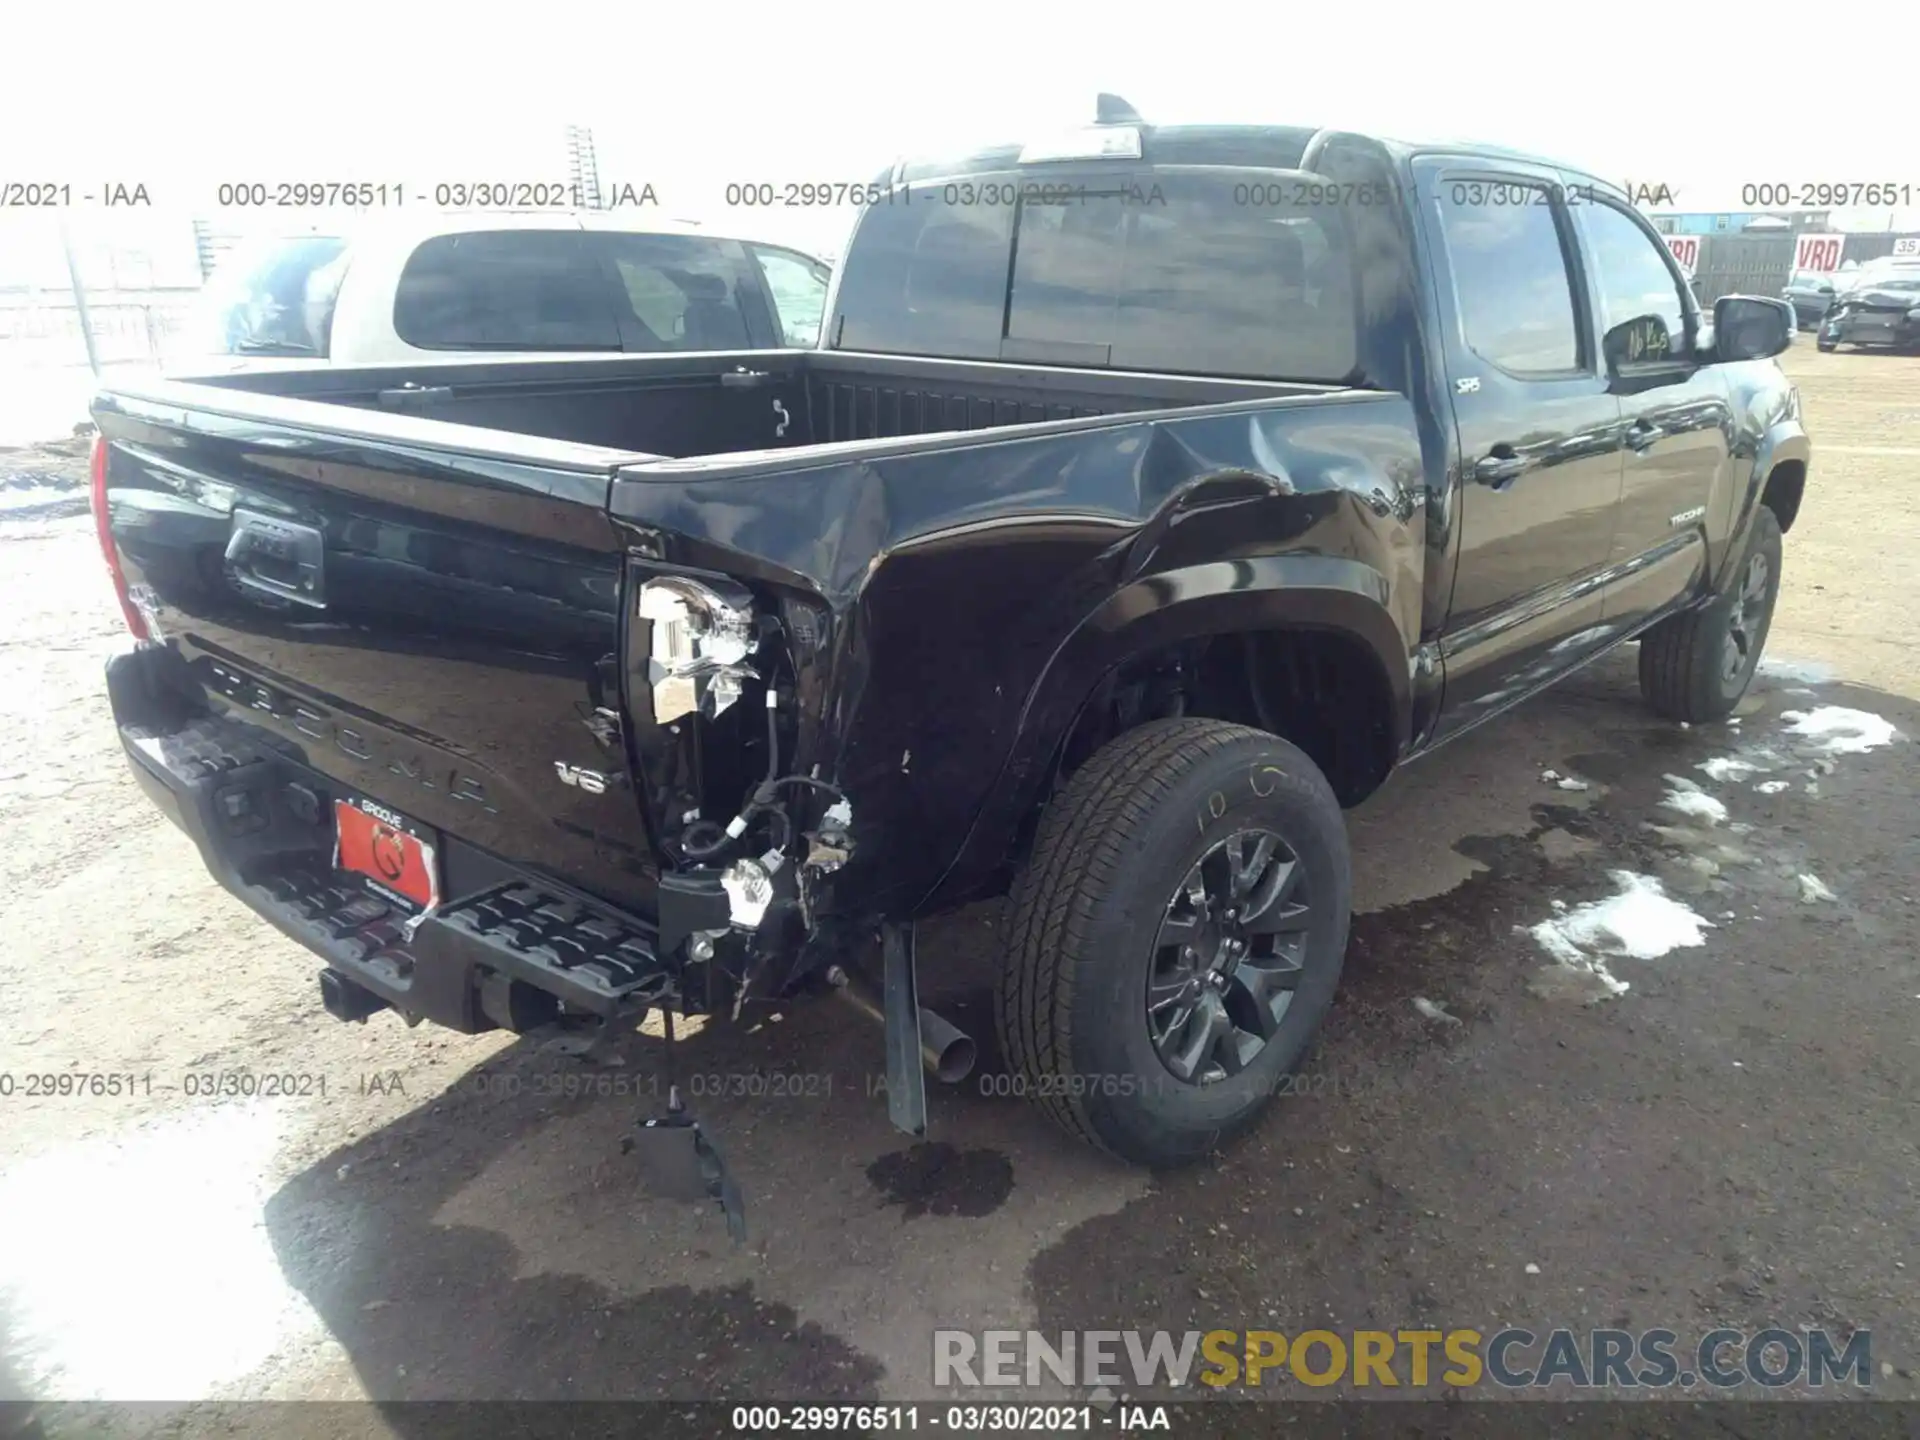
{"x": 79, "y": 299}
{"x": 585, "y": 167}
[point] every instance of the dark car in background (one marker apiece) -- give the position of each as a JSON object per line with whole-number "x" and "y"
{"x": 1810, "y": 292}
{"x": 1880, "y": 310}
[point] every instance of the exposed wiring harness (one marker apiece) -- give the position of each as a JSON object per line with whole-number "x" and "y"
{"x": 704, "y": 839}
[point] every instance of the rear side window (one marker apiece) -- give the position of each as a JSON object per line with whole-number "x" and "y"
{"x": 684, "y": 292}
{"x": 275, "y": 298}
{"x": 1214, "y": 272}
{"x": 1510, "y": 275}
{"x": 506, "y": 290}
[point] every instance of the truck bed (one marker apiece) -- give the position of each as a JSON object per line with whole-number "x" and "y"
{"x": 412, "y": 588}
{"x": 683, "y": 406}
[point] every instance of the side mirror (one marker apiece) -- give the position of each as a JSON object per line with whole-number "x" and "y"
{"x": 1823, "y": 288}
{"x": 1751, "y": 327}
{"x": 1642, "y": 340}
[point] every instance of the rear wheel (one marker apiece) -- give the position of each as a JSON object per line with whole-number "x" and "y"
{"x": 1696, "y": 666}
{"x": 1177, "y": 937}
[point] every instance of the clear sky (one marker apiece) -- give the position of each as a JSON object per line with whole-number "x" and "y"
{"x": 1703, "y": 98}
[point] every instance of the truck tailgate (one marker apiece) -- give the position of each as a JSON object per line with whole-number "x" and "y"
{"x": 409, "y": 608}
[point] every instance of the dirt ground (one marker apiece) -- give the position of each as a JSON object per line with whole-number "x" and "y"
{"x": 1731, "y": 1141}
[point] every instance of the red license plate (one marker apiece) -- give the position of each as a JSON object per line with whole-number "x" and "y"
{"x": 393, "y": 854}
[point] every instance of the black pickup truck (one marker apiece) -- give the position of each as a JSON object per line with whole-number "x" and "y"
{"x": 1152, "y": 494}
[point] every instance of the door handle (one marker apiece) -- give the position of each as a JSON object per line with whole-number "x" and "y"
{"x": 1498, "y": 469}
{"x": 743, "y": 379}
{"x": 1641, "y": 434}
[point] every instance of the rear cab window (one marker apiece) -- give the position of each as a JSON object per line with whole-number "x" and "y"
{"x": 506, "y": 290}
{"x": 274, "y": 297}
{"x": 1180, "y": 269}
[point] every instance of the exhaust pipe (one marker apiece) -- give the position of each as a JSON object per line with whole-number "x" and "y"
{"x": 347, "y": 1000}
{"x": 945, "y": 1050}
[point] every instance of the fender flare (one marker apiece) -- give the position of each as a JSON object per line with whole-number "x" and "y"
{"x": 1266, "y": 592}
{"x": 1783, "y": 442}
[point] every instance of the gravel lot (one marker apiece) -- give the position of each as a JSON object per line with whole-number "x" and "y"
{"x": 1731, "y": 1141}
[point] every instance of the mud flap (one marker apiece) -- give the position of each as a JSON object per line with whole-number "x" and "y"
{"x": 906, "y": 1084}
{"x": 678, "y": 1161}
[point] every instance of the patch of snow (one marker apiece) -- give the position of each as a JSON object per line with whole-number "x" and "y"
{"x": 1641, "y": 922}
{"x": 1567, "y": 782}
{"x": 41, "y": 502}
{"x": 1727, "y": 767}
{"x": 1771, "y": 787}
{"x": 1433, "y": 1011}
{"x": 1549, "y": 776}
{"x": 1812, "y": 891}
{"x": 1839, "y": 730}
{"x": 1807, "y": 672}
{"x": 1689, "y": 799}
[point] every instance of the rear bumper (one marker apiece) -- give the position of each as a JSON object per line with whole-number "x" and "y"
{"x": 506, "y": 949}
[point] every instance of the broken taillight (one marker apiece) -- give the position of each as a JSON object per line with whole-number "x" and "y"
{"x": 103, "y": 527}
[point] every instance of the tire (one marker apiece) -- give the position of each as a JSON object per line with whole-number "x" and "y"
{"x": 1826, "y": 346}
{"x": 1110, "y": 878}
{"x": 1688, "y": 666}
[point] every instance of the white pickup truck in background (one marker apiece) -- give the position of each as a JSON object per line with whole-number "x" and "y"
{"x": 504, "y": 286}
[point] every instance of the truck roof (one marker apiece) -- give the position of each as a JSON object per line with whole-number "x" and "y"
{"x": 1267, "y": 147}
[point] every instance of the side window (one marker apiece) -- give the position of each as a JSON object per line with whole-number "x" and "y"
{"x": 798, "y": 285}
{"x": 505, "y": 290}
{"x": 1510, "y": 275}
{"x": 684, "y": 291}
{"x": 1635, "y": 283}
{"x": 276, "y": 299}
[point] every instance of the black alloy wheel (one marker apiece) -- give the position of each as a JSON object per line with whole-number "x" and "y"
{"x": 1230, "y": 951}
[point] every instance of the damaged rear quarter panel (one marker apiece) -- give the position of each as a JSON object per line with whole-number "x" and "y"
{"x": 974, "y": 587}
